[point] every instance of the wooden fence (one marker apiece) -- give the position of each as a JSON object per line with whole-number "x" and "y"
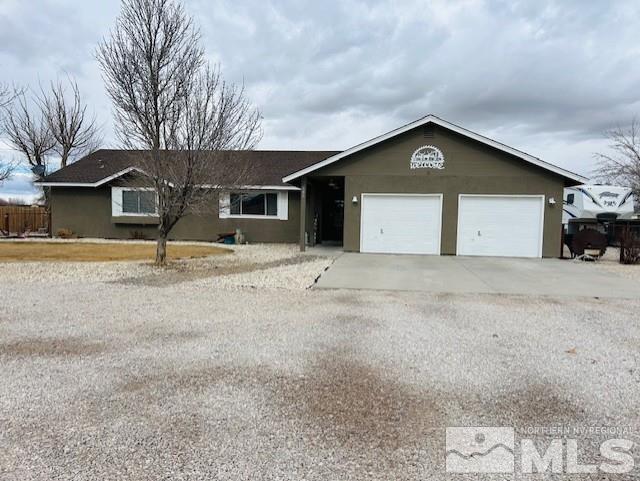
{"x": 18, "y": 220}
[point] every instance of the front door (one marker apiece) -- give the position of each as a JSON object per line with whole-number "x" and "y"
{"x": 332, "y": 216}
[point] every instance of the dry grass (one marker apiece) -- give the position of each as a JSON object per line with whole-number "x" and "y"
{"x": 99, "y": 252}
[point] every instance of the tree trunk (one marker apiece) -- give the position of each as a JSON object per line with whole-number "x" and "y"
{"x": 161, "y": 250}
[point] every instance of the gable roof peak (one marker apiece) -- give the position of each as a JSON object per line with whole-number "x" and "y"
{"x": 431, "y": 118}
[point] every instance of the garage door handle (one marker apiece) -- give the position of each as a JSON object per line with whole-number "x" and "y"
{"x": 381, "y": 231}
{"x": 479, "y": 234}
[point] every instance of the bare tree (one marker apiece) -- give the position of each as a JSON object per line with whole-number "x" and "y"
{"x": 622, "y": 165}
{"x": 28, "y": 132}
{"x": 6, "y": 97}
{"x": 169, "y": 102}
{"x": 75, "y": 132}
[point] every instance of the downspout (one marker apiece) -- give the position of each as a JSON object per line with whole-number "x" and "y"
{"x": 303, "y": 214}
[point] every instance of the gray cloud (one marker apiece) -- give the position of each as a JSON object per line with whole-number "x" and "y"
{"x": 549, "y": 67}
{"x": 547, "y": 77}
{"x": 20, "y": 187}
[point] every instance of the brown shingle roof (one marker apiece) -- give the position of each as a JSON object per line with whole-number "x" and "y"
{"x": 268, "y": 166}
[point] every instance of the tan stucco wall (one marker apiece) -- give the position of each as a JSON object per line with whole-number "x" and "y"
{"x": 470, "y": 168}
{"x": 87, "y": 212}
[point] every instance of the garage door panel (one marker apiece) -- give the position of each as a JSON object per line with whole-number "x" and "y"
{"x": 507, "y": 226}
{"x": 401, "y": 224}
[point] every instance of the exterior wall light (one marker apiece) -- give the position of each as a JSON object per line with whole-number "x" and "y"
{"x": 552, "y": 201}
{"x": 355, "y": 199}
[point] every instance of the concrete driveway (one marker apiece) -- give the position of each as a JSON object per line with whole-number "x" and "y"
{"x": 450, "y": 274}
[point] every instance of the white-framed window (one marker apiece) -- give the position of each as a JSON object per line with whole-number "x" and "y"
{"x": 254, "y": 205}
{"x": 134, "y": 202}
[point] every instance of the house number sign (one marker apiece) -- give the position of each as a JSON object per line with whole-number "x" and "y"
{"x": 427, "y": 157}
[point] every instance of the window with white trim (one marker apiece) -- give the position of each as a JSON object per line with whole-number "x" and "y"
{"x": 134, "y": 202}
{"x": 254, "y": 205}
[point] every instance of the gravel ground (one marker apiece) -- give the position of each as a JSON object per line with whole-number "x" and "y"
{"x": 259, "y": 266}
{"x": 611, "y": 262}
{"x": 136, "y": 380}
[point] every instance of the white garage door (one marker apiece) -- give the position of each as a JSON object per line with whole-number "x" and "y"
{"x": 509, "y": 226}
{"x": 401, "y": 223}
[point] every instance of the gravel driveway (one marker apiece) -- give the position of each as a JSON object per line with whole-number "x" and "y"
{"x": 113, "y": 380}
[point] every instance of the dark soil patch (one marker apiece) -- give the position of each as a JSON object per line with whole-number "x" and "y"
{"x": 159, "y": 386}
{"x": 159, "y": 335}
{"x": 533, "y": 405}
{"x": 342, "y": 403}
{"x": 180, "y": 273}
{"x": 52, "y": 347}
{"x": 348, "y": 415}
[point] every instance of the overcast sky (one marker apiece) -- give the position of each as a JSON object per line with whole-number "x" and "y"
{"x": 546, "y": 77}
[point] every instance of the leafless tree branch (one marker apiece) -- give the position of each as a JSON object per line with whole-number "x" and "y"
{"x": 6, "y": 97}
{"x": 6, "y": 170}
{"x": 75, "y": 132}
{"x": 169, "y": 102}
{"x": 622, "y": 164}
{"x": 28, "y": 132}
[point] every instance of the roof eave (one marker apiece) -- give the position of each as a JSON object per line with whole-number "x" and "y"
{"x": 98, "y": 183}
{"x": 203, "y": 186}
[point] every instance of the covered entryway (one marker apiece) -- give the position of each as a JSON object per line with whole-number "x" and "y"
{"x": 326, "y": 211}
{"x": 500, "y": 225}
{"x": 401, "y": 223}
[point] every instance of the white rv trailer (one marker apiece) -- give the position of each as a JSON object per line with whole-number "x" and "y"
{"x": 597, "y": 203}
